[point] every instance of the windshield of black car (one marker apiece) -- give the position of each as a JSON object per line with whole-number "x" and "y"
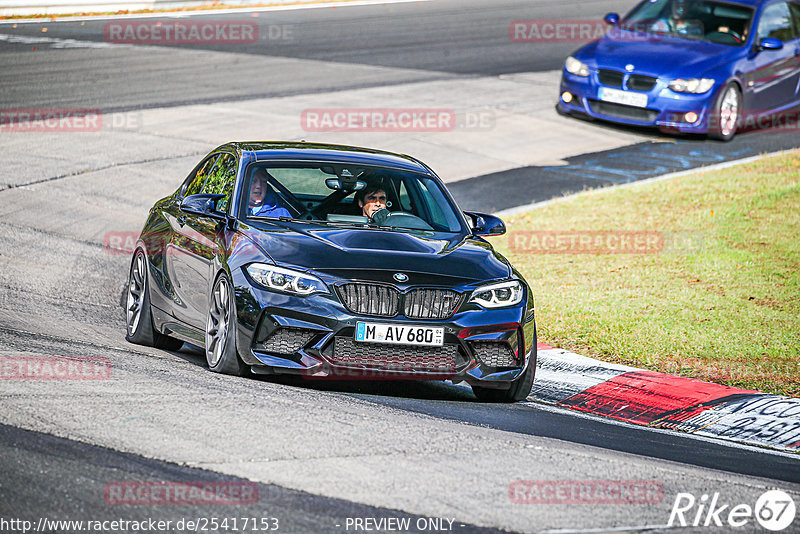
{"x": 714, "y": 22}
{"x": 342, "y": 194}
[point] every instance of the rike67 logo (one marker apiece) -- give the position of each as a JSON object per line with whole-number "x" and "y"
{"x": 774, "y": 510}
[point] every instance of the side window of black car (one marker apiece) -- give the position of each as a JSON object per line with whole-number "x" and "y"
{"x": 776, "y": 22}
{"x": 221, "y": 180}
{"x": 194, "y": 183}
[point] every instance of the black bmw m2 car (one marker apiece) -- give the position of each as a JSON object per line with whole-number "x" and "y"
{"x": 331, "y": 262}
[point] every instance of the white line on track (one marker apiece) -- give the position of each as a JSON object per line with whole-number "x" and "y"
{"x": 207, "y": 12}
{"x": 58, "y": 43}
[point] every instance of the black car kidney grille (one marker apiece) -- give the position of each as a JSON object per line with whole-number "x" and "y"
{"x": 385, "y": 301}
{"x": 431, "y": 303}
{"x": 494, "y": 353}
{"x": 639, "y": 82}
{"x": 611, "y": 78}
{"x": 370, "y": 299}
{"x": 397, "y": 358}
{"x": 286, "y": 340}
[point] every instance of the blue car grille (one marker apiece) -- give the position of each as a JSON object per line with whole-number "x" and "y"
{"x": 635, "y": 82}
{"x": 385, "y": 301}
{"x": 620, "y": 111}
{"x": 611, "y": 78}
{"x": 640, "y": 82}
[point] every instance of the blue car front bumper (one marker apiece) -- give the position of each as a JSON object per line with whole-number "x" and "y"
{"x": 665, "y": 109}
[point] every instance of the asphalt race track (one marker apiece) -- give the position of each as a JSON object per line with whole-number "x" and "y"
{"x": 317, "y": 456}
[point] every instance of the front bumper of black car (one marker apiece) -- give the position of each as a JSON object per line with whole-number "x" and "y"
{"x": 313, "y": 336}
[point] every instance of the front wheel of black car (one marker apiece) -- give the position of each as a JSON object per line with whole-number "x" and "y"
{"x": 518, "y": 391}
{"x": 138, "y": 315}
{"x": 725, "y": 118}
{"x": 221, "y": 331}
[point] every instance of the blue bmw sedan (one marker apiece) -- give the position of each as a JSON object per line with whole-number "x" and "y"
{"x": 689, "y": 66}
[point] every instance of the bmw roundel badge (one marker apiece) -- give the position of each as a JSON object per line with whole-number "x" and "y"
{"x": 401, "y": 277}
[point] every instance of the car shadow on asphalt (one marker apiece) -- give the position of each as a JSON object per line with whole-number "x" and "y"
{"x": 457, "y": 403}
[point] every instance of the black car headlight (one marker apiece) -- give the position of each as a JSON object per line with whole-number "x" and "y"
{"x": 287, "y": 280}
{"x": 691, "y": 85}
{"x": 498, "y": 295}
{"x": 576, "y": 67}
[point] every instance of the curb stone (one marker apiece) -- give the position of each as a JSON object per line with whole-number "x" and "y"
{"x": 660, "y": 400}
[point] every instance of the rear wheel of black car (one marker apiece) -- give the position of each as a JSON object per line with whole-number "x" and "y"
{"x": 138, "y": 315}
{"x": 221, "y": 352}
{"x": 518, "y": 391}
{"x": 725, "y": 117}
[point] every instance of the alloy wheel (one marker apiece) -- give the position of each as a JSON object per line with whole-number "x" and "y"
{"x": 729, "y": 111}
{"x": 217, "y": 324}
{"x": 136, "y": 286}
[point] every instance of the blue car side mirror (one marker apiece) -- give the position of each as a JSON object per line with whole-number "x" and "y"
{"x": 612, "y": 18}
{"x": 770, "y": 43}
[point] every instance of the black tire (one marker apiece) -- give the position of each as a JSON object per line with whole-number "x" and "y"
{"x": 221, "y": 353}
{"x": 138, "y": 314}
{"x": 727, "y": 109}
{"x": 518, "y": 391}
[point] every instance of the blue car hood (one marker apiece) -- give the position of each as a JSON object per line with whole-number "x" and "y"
{"x": 350, "y": 252}
{"x": 657, "y": 55}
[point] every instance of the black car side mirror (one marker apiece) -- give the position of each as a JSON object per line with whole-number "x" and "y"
{"x": 770, "y": 43}
{"x": 203, "y": 205}
{"x": 612, "y": 18}
{"x": 485, "y": 225}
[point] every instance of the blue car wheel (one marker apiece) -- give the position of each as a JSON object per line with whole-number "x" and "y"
{"x": 725, "y": 119}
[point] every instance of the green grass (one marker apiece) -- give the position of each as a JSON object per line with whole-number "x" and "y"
{"x": 720, "y": 302}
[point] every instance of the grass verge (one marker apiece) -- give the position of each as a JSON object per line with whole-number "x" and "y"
{"x": 708, "y": 284}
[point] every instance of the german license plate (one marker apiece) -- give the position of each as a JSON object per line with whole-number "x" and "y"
{"x": 628, "y": 98}
{"x": 400, "y": 334}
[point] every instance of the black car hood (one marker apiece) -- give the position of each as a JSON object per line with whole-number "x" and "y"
{"x": 363, "y": 253}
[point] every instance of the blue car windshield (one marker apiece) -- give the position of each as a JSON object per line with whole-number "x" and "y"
{"x": 700, "y": 20}
{"x": 342, "y": 194}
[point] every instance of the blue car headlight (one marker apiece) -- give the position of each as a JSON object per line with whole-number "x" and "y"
{"x": 286, "y": 280}
{"x": 691, "y": 85}
{"x": 498, "y": 295}
{"x": 578, "y": 68}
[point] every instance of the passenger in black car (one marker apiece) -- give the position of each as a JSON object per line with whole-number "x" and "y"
{"x": 371, "y": 199}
